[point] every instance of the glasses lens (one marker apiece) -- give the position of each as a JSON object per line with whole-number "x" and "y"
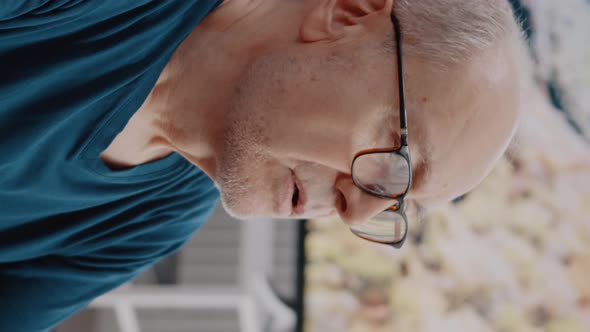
{"x": 387, "y": 227}
{"x": 386, "y": 174}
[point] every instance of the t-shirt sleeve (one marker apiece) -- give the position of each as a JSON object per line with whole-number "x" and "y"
{"x": 37, "y": 295}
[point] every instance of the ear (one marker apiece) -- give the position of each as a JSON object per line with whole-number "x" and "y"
{"x": 332, "y": 19}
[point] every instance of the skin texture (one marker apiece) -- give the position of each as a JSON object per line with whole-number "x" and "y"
{"x": 252, "y": 105}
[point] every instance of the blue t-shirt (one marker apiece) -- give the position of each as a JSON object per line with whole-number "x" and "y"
{"x": 72, "y": 73}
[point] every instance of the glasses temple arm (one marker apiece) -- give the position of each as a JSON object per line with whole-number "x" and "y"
{"x": 401, "y": 82}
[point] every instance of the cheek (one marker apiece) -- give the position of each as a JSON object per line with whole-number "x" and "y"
{"x": 311, "y": 109}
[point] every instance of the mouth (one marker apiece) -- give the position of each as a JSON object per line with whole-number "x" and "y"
{"x": 299, "y": 198}
{"x": 295, "y": 198}
{"x": 291, "y": 197}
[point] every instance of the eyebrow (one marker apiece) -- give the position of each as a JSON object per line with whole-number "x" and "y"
{"x": 420, "y": 211}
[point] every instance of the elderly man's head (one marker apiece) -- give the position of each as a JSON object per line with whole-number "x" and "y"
{"x": 301, "y": 86}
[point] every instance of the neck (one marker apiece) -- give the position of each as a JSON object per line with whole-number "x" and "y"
{"x": 184, "y": 112}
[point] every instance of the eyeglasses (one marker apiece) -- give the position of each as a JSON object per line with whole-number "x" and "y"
{"x": 387, "y": 174}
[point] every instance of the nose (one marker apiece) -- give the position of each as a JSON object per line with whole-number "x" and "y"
{"x": 354, "y": 206}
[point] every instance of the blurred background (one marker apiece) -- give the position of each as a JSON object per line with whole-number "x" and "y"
{"x": 511, "y": 256}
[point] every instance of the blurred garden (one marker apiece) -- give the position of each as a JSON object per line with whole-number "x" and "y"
{"x": 511, "y": 256}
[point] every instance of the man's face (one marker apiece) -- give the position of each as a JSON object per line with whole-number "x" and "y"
{"x": 301, "y": 112}
{"x": 299, "y": 117}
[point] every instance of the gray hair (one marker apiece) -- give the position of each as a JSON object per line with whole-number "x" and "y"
{"x": 447, "y": 32}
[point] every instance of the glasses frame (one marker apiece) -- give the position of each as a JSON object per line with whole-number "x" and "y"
{"x": 403, "y": 151}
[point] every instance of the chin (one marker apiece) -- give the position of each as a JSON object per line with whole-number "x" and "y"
{"x": 241, "y": 193}
{"x": 243, "y": 208}
{"x": 239, "y": 212}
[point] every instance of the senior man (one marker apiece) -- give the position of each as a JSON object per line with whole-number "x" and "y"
{"x": 121, "y": 122}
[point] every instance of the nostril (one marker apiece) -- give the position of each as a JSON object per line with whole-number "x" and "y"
{"x": 341, "y": 202}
